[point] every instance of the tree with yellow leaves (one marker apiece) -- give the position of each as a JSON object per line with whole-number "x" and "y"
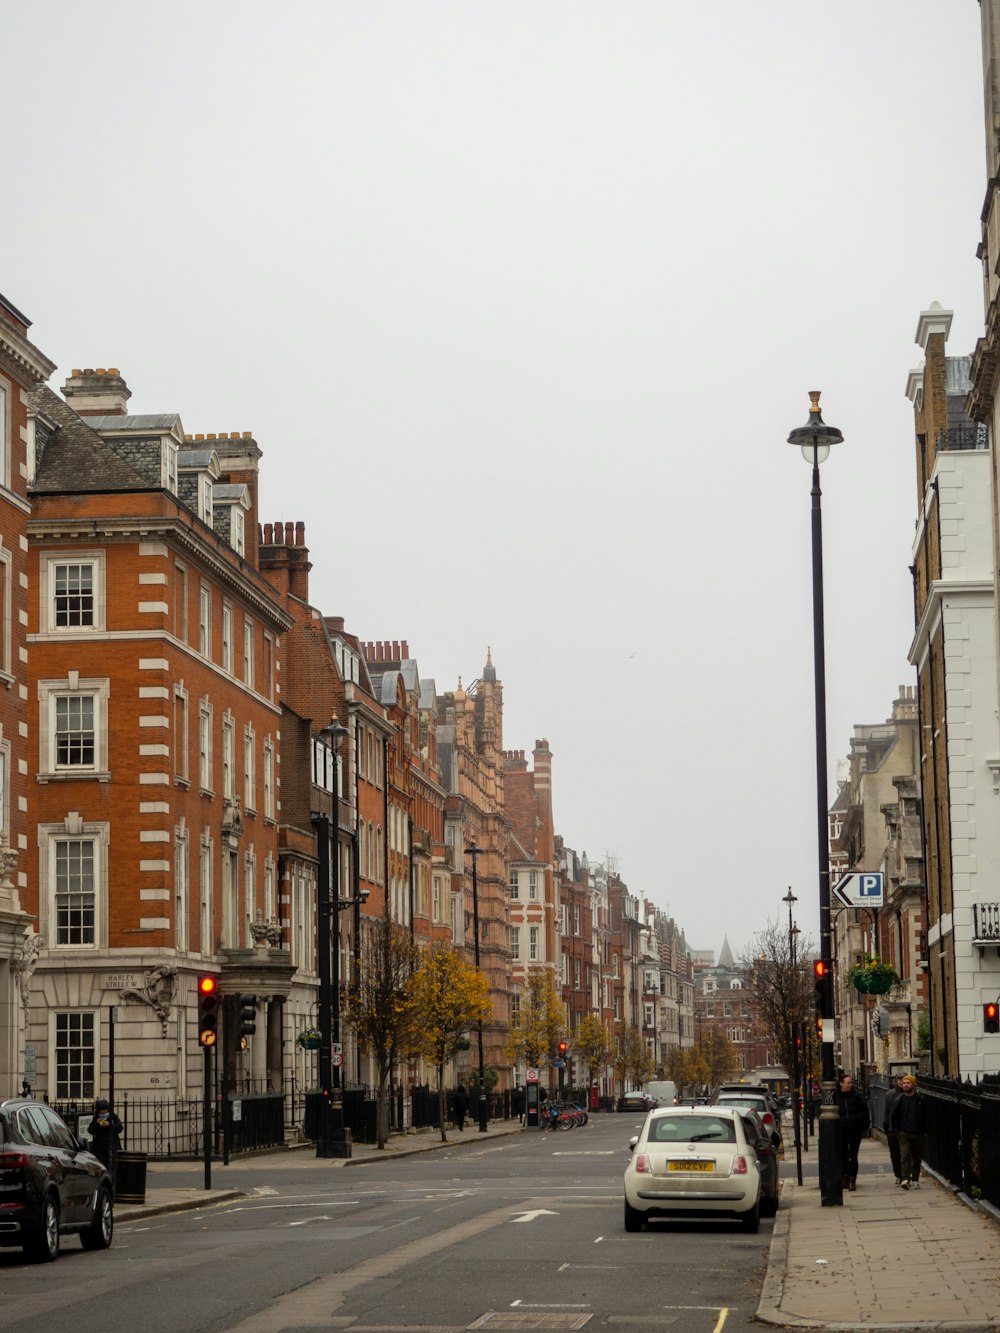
{"x": 448, "y": 997}
{"x": 541, "y": 1022}
{"x": 592, "y": 1044}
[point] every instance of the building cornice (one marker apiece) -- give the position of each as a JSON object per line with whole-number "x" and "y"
{"x": 22, "y": 360}
{"x": 966, "y": 590}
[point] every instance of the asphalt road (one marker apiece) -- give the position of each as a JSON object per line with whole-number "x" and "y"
{"x": 523, "y": 1232}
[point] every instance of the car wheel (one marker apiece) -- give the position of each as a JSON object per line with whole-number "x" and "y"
{"x": 769, "y": 1207}
{"x": 751, "y": 1221}
{"x": 633, "y": 1218}
{"x": 98, "y": 1235}
{"x": 44, "y": 1246}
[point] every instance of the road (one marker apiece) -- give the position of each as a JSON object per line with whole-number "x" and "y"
{"x": 523, "y": 1232}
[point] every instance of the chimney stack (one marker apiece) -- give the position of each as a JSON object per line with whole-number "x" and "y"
{"x": 97, "y": 393}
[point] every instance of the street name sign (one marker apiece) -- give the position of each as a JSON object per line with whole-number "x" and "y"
{"x": 862, "y": 888}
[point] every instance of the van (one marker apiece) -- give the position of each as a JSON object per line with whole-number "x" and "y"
{"x": 664, "y": 1092}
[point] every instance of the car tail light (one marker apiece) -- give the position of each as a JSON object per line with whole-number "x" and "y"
{"x": 767, "y": 1118}
{"x": 13, "y": 1161}
{"x": 739, "y": 1167}
{"x": 642, "y": 1164}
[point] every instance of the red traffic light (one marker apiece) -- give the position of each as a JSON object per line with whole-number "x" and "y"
{"x": 206, "y": 985}
{"x": 562, "y": 1048}
{"x": 991, "y": 1017}
{"x": 819, "y": 969}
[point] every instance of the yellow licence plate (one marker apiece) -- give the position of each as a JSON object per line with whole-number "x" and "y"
{"x": 689, "y": 1166}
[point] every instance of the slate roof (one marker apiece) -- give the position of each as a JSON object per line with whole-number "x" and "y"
{"x": 75, "y": 458}
{"x": 122, "y": 425}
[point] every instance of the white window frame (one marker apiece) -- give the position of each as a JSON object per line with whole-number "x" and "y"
{"x": 48, "y": 560}
{"x": 205, "y": 621}
{"x": 205, "y": 774}
{"x": 248, "y": 646}
{"x": 83, "y": 1090}
{"x": 6, "y": 626}
{"x": 49, "y": 693}
{"x": 180, "y": 601}
{"x": 249, "y": 769}
{"x": 182, "y": 742}
{"x": 533, "y": 886}
{"x": 515, "y": 943}
{"x": 5, "y": 433}
{"x": 206, "y": 851}
{"x": 168, "y": 460}
{"x": 533, "y": 944}
{"x": 227, "y": 637}
{"x": 182, "y": 887}
{"x": 237, "y": 530}
{"x": 270, "y": 802}
{"x": 50, "y": 836}
{"x": 228, "y": 757}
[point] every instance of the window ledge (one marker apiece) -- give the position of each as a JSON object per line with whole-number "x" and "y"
{"x": 183, "y": 783}
{"x": 83, "y": 775}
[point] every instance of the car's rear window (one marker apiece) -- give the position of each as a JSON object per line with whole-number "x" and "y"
{"x": 692, "y": 1129}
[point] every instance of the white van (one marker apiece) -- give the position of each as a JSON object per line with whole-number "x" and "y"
{"x": 664, "y": 1092}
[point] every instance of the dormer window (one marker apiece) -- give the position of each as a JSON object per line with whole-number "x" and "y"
{"x": 170, "y": 466}
{"x": 239, "y": 530}
{"x": 205, "y": 507}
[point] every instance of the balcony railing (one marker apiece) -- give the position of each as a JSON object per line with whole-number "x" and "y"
{"x": 986, "y": 923}
{"x": 973, "y": 436}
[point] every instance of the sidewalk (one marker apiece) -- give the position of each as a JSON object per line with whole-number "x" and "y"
{"x": 161, "y": 1197}
{"x": 888, "y": 1259}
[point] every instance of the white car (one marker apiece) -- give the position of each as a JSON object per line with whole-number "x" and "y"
{"x": 692, "y": 1161}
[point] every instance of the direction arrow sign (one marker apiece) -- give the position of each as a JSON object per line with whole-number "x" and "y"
{"x": 862, "y": 888}
{"x": 535, "y": 1212}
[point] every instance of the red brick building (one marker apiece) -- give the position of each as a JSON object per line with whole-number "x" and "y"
{"x": 22, "y": 367}
{"x": 155, "y": 720}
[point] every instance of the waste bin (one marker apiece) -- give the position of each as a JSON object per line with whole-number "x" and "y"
{"x": 130, "y": 1177}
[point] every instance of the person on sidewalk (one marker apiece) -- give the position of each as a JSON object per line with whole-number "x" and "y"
{"x": 517, "y": 1103}
{"x": 105, "y": 1132}
{"x": 854, "y": 1123}
{"x": 909, "y": 1120}
{"x": 461, "y": 1106}
{"x": 891, "y": 1137}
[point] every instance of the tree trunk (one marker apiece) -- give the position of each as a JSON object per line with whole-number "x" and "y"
{"x": 441, "y": 1106}
{"x": 382, "y": 1112}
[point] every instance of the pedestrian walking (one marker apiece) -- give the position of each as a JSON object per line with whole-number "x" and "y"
{"x": 518, "y": 1104}
{"x": 891, "y": 1136}
{"x": 854, "y": 1123}
{"x": 460, "y": 1105}
{"x": 105, "y": 1132}
{"x": 909, "y": 1120}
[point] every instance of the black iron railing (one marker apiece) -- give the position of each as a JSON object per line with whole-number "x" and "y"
{"x": 973, "y": 436}
{"x": 986, "y": 923}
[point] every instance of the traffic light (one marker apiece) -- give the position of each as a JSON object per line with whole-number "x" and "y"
{"x": 248, "y": 1015}
{"x": 208, "y": 1011}
{"x": 562, "y": 1050}
{"x": 991, "y": 1017}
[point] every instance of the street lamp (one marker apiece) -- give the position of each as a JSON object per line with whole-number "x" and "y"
{"x": 796, "y": 1024}
{"x": 475, "y": 852}
{"x": 815, "y": 439}
{"x": 331, "y": 1140}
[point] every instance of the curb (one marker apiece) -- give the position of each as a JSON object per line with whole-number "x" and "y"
{"x": 136, "y": 1212}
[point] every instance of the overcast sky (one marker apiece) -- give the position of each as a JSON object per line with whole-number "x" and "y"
{"x": 521, "y": 300}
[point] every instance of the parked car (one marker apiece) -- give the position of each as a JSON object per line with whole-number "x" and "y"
{"x": 767, "y": 1157}
{"x": 758, "y": 1090}
{"x": 694, "y": 1101}
{"x": 50, "y": 1186}
{"x": 760, "y": 1103}
{"x": 636, "y": 1101}
{"x": 693, "y": 1162}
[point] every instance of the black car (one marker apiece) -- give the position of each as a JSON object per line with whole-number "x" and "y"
{"x": 767, "y": 1159}
{"x": 50, "y": 1186}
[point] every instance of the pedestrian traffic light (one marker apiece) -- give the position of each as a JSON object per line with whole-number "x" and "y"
{"x": 248, "y": 1015}
{"x": 991, "y": 1017}
{"x": 208, "y": 1011}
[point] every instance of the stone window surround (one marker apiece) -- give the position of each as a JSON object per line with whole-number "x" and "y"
{"x": 46, "y": 590}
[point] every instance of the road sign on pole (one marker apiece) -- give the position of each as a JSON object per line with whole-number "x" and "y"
{"x": 862, "y": 888}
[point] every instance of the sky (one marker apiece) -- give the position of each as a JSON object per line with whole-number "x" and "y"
{"x": 521, "y": 301}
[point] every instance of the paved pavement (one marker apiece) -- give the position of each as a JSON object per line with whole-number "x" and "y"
{"x": 888, "y": 1259}
{"x": 162, "y": 1197}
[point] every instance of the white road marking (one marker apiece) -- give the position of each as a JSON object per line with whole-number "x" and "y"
{"x": 602, "y": 1152}
{"x": 529, "y": 1305}
{"x": 535, "y": 1212}
{"x": 307, "y": 1220}
{"x": 269, "y": 1207}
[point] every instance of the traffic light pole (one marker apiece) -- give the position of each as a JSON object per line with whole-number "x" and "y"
{"x": 206, "y": 1115}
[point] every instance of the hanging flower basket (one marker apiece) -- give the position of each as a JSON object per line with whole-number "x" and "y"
{"x": 310, "y": 1040}
{"x": 873, "y": 977}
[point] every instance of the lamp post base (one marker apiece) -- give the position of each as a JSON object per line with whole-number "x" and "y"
{"x": 484, "y": 1116}
{"x": 334, "y": 1138}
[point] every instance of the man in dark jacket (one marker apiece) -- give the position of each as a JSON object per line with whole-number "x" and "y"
{"x": 854, "y": 1122}
{"x": 461, "y": 1105}
{"x": 891, "y": 1136}
{"x": 909, "y": 1120}
{"x": 105, "y": 1134}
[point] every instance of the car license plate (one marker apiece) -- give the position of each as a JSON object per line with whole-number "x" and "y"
{"x": 681, "y": 1165}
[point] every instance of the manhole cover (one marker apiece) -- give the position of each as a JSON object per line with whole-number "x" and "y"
{"x": 529, "y": 1319}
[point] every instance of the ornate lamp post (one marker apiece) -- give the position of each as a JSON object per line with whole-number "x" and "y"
{"x": 815, "y": 439}
{"x": 475, "y": 852}
{"x": 330, "y": 1136}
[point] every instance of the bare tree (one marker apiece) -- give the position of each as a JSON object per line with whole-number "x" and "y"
{"x": 779, "y": 993}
